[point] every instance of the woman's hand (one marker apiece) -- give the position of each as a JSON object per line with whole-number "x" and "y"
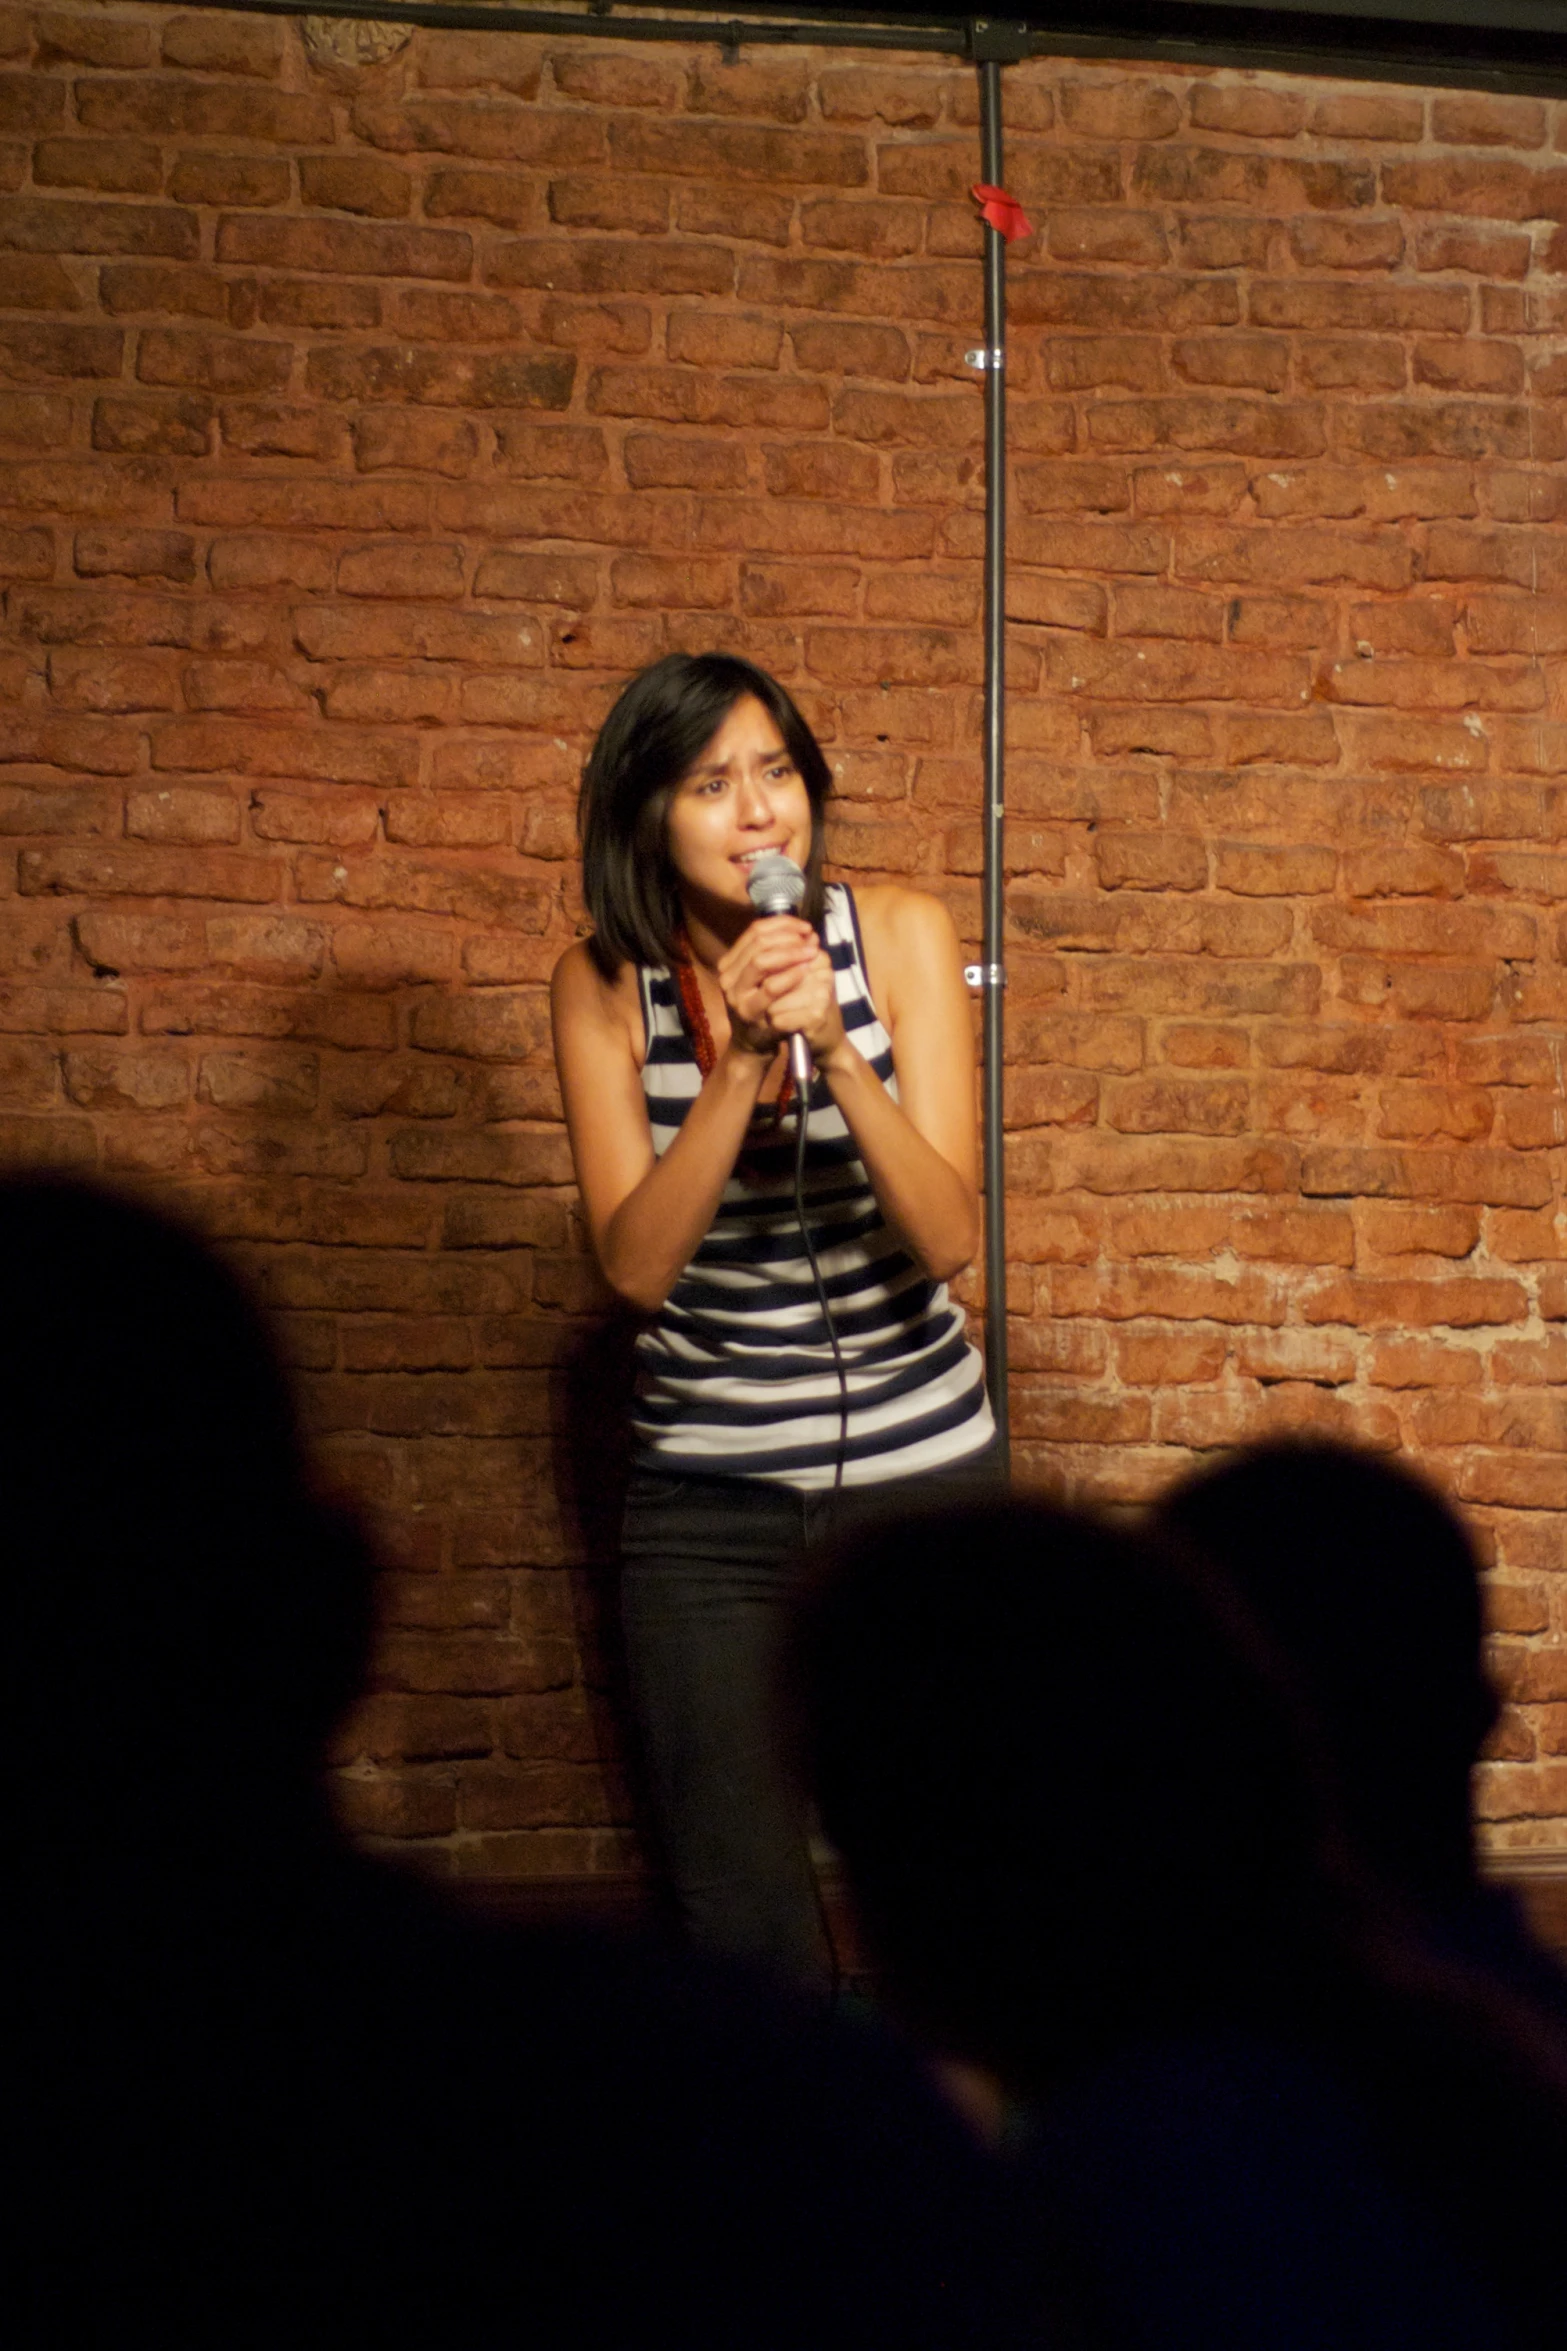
{"x": 777, "y": 982}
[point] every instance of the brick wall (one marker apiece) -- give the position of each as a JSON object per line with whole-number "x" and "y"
{"x": 364, "y": 427}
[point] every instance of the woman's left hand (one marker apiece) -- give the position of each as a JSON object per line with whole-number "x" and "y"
{"x": 778, "y": 977}
{"x": 804, "y": 1003}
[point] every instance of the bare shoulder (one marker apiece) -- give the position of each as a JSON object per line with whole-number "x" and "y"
{"x": 903, "y": 926}
{"x": 576, "y": 977}
{"x": 581, "y": 997}
{"x": 912, "y": 955}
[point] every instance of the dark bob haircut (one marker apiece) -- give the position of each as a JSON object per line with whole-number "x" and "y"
{"x": 659, "y": 728}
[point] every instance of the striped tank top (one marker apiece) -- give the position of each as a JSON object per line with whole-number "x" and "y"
{"x": 736, "y": 1376}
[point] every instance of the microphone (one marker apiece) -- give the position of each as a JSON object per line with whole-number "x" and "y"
{"x": 777, "y": 886}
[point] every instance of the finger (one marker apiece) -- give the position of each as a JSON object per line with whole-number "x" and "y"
{"x": 782, "y": 935}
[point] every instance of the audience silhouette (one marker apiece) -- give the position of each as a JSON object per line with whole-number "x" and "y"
{"x": 1089, "y": 1844}
{"x": 266, "y": 2092}
{"x": 1367, "y": 1585}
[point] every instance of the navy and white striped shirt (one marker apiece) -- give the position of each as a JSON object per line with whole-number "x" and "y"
{"x": 736, "y": 1377}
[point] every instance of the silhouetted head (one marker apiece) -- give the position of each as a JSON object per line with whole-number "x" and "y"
{"x": 1071, "y": 1808}
{"x": 660, "y": 725}
{"x": 1367, "y": 1585}
{"x": 180, "y": 1616}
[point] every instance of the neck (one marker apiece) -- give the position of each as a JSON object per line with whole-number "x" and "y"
{"x": 712, "y": 926}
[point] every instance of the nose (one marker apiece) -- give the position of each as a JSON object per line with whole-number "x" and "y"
{"x": 752, "y": 803}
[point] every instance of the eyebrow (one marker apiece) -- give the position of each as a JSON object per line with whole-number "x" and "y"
{"x": 701, "y": 768}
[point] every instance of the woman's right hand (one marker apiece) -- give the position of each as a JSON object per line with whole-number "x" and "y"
{"x": 763, "y": 964}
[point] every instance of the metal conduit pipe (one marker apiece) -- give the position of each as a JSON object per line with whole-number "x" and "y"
{"x": 991, "y": 45}
{"x": 993, "y": 974}
{"x": 834, "y": 29}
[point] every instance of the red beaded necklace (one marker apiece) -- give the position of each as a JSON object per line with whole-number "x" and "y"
{"x": 693, "y": 1013}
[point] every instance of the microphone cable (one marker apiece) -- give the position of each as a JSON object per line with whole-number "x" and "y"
{"x": 802, "y": 1120}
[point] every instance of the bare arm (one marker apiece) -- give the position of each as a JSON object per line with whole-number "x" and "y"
{"x": 919, "y": 1152}
{"x": 646, "y": 1215}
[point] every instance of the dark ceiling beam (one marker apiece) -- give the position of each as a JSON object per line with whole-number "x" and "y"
{"x": 1501, "y": 45}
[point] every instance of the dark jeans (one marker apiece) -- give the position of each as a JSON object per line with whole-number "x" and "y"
{"x": 711, "y": 1565}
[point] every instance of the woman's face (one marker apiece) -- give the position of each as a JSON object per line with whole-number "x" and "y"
{"x": 743, "y": 795}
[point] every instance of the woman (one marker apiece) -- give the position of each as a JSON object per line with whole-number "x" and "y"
{"x": 758, "y": 1424}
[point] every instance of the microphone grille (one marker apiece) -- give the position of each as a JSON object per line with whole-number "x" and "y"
{"x": 775, "y": 884}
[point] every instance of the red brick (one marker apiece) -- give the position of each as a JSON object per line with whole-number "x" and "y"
{"x": 474, "y": 60}
{"x": 31, "y": 353}
{"x": 655, "y": 583}
{"x": 1435, "y": 685}
{"x": 264, "y": 946}
{"x": 209, "y": 745}
{"x": 435, "y": 314}
{"x": 170, "y": 106}
{"x": 269, "y": 562}
{"x": 125, "y": 167}
{"x": 200, "y": 177}
{"x": 1120, "y": 109}
{"x": 751, "y": 87}
{"x": 757, "y": 215}
{"x": 401, "y": 571}
{"x": 390, "y": 955}
{"x": 598, "y": 76}
{"x": 101, "y": 681}
{"x": 1113, "y": 305}
{"x": 211, "y": 363}
{"x": 414, "y": 633}
{"x": 1261, "y": 872}
{"x": 1322, "y": 242}
{"x": 47, "y": 1141}
{"x": 83, "y": 39}
{"x": 1228, "y": 241}
{"x": 341, "y": 817}
{"x": 223, "y": 44}
{"x": 259, "y": 503}
{"x": 1286, "y": 184}
{"x": 80, "y": 743}
{"x": 1248, "y": 110}
{"x": 153, "y": 427}
{"x": 1484, "y": 189}
{"x": 316, "y": 302}
{"x": 1166, "y": 1105}
{"x": 850, "y": 349}
{"x": 494, "y": 130}
{"x": 421, "y": 886}
{"x": 1352, "y": 363}
{"x": 1469, "y": 366}
{"x": 448, "y": 820}
{"x": 31, "y": 102}
{"x": 1295, "y": 1236}
{"x": 138, "y": 872}
{"x": 168, "y": 555}
{"x": 344, "y": 247}
{"x": 31, "y": 421}
{"x": 658, "y": 461}
{"x": 178, "y": 814}
{"x": 1382, "y": 1305}
{"x": 589, "y": 201}
{"x": 571, "y": 453}
{"x": 1468, "y": 119}
{"x": 1293, "y": 558}
{"x": 879, "y": 231}
{"x": 903, "y": 97}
